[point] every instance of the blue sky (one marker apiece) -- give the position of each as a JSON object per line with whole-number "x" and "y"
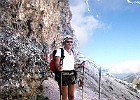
{"x": 108, "y": 32}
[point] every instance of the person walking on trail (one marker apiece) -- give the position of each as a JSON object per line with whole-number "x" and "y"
{"x": 66, "y": 74}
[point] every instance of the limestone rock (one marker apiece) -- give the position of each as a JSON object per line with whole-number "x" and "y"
{"x": 28, "y": 30}
{"x": 51, "y": 89}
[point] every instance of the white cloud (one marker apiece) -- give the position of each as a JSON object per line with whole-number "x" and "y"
{"x": 83, "y": 23}
{"x": 133, "y": 2}
{"x": 129, "y": 2}
{"x": 137, "y": 2}
{"x": 132, "y": 66}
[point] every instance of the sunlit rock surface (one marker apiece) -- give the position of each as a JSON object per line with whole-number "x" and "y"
{"x": 47, "y": 20}
{"x": 28, "y": 30}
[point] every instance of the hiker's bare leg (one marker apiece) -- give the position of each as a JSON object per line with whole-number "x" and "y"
{"x": 71, "y": 91}
{"x": 64, "y": 92}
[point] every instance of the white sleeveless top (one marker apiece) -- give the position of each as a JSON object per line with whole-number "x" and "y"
{"x": 68, "y": 61}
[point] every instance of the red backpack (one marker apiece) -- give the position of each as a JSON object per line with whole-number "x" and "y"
{"x": 52, "y": 57}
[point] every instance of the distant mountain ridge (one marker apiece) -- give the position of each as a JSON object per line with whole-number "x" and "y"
{"x": 133, "y": 78}
{"x": 130, "y": 77}
{"x": 121, "y": 75}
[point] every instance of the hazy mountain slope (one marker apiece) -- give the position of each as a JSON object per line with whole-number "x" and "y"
{"x": 111, "y": 88}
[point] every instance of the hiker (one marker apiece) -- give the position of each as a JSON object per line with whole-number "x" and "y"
{"x": 66, "y": 71}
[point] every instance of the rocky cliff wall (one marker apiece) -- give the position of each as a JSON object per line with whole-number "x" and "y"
{"x": 47, "y": 20}
{"x": 29, "y": 29}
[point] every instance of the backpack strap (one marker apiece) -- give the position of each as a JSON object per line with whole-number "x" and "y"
{"x": 53, "y": 54}
{"x": 62, "y": 56}
{"x": 72, "y": 51}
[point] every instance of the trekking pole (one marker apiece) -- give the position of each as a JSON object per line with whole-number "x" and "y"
{"x": 60, "y": 85}
{"x": 83, "y": 82}
{"x": 83, "y": 86}
{"x": 61, "y": 63}
{"x": 99, "y": 82}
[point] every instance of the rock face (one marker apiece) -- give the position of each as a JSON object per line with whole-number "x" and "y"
{"x": 29, "y": 29}
{"x": 47, "y": 20}
{"x": 22, "y": 66}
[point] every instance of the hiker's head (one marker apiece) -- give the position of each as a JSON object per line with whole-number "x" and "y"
{"x": 68, "y": 41}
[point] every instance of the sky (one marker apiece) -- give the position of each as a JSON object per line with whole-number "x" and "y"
{"x": 108, "y": 32}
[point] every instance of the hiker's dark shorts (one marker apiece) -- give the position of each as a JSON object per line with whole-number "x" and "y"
{"x": 68, "y": 77}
